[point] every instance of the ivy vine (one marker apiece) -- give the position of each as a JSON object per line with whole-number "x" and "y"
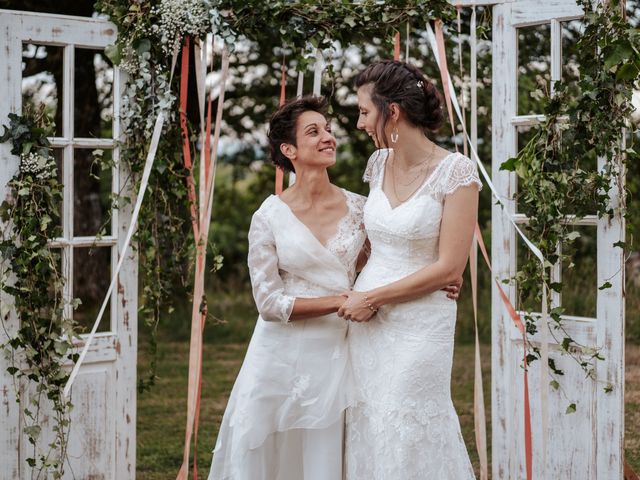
{"x": 556, "y": 172}
{"x": 30, "y": 274}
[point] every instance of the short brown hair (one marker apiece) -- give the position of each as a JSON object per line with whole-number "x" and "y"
{"x": 282, "y": 126}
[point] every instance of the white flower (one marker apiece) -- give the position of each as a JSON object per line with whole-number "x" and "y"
{"x": 179, "y": 18}
{"x": 34, "y": 163}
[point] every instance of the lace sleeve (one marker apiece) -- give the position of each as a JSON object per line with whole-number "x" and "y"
{"x": 375, "y": 164}
{"x": 463, "y": 172}
{"x": 268, "y": 289}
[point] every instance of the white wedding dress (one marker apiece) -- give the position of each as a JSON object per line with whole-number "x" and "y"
{"x": 405, "y": 426}
{"x": 285, "y": 416}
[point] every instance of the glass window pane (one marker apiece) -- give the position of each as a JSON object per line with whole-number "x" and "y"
{"x": 93, "y": 106}
{"x": 92, "y": 187}
{"x": 58, "y": 155}
{"x": 531, "y": 302}
{"x": 525, "y": 135}
{"x": 534, "y": 67}
{"x": 91, "y": 278}
{"x": 42, "y": 80}
{"x": 571, "y": 32}
{"x": 579, "y": 276}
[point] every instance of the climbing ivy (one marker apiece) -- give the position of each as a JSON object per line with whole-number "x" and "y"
{"x": 30, "y": 274}
{"x": 556, "y": 170}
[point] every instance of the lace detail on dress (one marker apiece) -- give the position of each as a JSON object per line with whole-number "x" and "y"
{"x": 342, "y": 243}
{"x": 375, "y": 165}
{"x": 453, "y": 172}
{"x": 268, "y": 288}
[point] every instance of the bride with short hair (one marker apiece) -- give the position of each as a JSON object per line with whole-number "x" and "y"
{"x": 285, "y": 416}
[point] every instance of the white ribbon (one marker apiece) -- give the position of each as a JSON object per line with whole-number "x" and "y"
{"x": 155, "y": 139}
{"x": 317, "y": 72}
{"x": 544, "y": 347}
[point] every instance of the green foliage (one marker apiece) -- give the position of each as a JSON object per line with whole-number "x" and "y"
{"x": 320, "y": 23}
{"x": 556, "y": 169}
{"x": 30, "y": 273}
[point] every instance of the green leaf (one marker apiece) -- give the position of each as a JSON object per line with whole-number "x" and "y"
{"x": 605, "y": 285}
{"x": 113, "y": 53}
{"x": 509, "y": 165}
{"x": 554, "y": 384}
{"x": 620, "y": 54}
{"x": 571, "y": 408}
{"x": 573, "y": 236}
{"x": 627, "y": 71}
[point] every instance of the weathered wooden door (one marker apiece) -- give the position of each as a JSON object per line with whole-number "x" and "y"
{"x": 55, "y": 60}
{"x": 532, "y": 43}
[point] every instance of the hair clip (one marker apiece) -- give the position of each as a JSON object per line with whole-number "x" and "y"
{"x": 420, "y": 84}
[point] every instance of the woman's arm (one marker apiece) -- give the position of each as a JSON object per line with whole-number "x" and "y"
{"x": 456, "y": 233}
{"x": 363, "y": 256}
{"x": 273, "y": 304}
{"x": 314, "y": 307}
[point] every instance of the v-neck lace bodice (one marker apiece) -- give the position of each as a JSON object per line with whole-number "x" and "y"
{"x": 405, "y": 238}
{"x": 286, "y": 260}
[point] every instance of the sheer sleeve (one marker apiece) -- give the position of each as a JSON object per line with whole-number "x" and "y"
{"x": 375, "y": 164}
{"x": 268, "y": 288}
{"x": 463, "y": 172}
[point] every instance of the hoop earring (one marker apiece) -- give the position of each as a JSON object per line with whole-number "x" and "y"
{"x": 394, "y": 135}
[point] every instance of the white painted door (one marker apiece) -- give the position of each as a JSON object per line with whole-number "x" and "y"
{"x": 44, "y": 61}
{"x": 587, "y": 444}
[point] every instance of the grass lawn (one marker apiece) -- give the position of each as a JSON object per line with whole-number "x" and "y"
{"x": 161, "y": 411}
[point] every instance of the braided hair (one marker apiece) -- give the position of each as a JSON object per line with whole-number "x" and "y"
{"x": 405, "y": 84}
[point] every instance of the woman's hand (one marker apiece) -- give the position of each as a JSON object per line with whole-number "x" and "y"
{"x": 453, "y": 289}
{"x": 355, "y": 307}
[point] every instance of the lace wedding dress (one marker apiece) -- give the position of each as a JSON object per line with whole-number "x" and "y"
{"x": 405, "y": 426}
{"x": 285, "y": 416}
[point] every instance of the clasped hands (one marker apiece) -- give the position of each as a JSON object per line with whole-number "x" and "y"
{"x": 358, "y": 308}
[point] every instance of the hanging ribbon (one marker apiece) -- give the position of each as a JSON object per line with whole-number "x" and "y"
{"x": 317, "y": 72}
{"x": 479, "y": 415}
{"x": 279, "y": 170}
{"x": 146, "y": 173}
{"x": 396, "y": 46}
{"x": 461, "y": 67}
{"x": 517, "y": 321}
{"x": 406, "y": 44}
{"x": 186, "y": 144}
{"x": 199, "y": 309}
{"x": 437, "y": 46}
{"x": 151, "y": 155}
{"x": 444, "y": 75}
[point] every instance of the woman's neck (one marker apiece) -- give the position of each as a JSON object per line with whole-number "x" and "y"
{"x": 412, "y": 148}
{"x": 311, "y": 184}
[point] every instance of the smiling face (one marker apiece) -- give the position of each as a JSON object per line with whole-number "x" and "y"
{"x": 369, "y": 117}
{"x": 316, "y": 146}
